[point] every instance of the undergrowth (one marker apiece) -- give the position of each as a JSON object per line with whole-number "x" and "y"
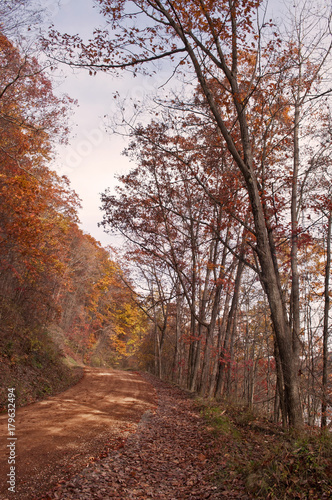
{"x": 32, "y": 364}
{"x": 256, "y": 456}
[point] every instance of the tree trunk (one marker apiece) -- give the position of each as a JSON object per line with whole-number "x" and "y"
{"x": 229, "y": 329}
{"x": 175, "y": 369}
{"x": 196, "y": 361}
{"x": 326, "y": 320}
{"x": 213, "y": 390}
{"x": 280, "y": 387}
{"x": 271, "y": 282}
{"x": 295, "y": 292}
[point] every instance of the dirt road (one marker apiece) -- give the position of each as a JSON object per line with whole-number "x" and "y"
{"x": 59, "y": 436}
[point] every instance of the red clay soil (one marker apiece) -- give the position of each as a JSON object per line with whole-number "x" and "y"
{"x": 87, "y": 444}
{"x": 59, "y": 436}
{"x": 171, "y": 456}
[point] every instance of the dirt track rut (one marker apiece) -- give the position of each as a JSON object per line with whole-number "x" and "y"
{"x": 59, "y": 436}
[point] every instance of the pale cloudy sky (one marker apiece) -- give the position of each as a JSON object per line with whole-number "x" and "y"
{"x": 93, "y": 156}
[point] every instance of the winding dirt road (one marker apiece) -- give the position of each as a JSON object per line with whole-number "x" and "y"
{"x": 58, "y": 436}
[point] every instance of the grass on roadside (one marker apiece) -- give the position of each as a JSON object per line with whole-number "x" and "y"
{"x": 256, "y": 456}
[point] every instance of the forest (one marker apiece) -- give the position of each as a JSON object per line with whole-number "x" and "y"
{"x": 62, "y": 295}
{"x": 222, "y": 284}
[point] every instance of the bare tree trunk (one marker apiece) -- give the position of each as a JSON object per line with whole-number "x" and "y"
{"x": 229, "y": 328}
{"x": 206, "y": 380}
{"x": 196, "y": 360}
{"x": 202, "y": 315}
{"x": 159, "y": 356}
{"x": 192, "y": 349}
{"x": 175, "y": 369}
{"x": 326, "y": 320}
{"x": 231, "y": 357}
{"x": 214, "y": 313}
{"x": 280, "y": 386}
{"x": 295, "y": 292}
{"x": 221, "y": 336}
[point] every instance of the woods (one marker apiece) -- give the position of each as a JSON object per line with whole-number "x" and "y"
{"x": 259, "y": 91}
{"x": 61, "y": 293}
{"x": 223, "y": 282}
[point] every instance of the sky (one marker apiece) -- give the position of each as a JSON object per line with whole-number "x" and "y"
{"x": 93, "y": 155}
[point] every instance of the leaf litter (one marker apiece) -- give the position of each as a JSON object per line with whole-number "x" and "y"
{"x": 169, "y": 457}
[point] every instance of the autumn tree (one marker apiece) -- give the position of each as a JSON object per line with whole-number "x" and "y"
{"x": 183, "y": 237}
{"x": 37, "y": 209}
{"x": 97, "y": 311}
{"x": 36, "y": 203}
{"x": 58, "y": 285}
{"x": 17, "y": 16}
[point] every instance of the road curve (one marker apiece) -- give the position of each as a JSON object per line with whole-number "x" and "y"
{"x": 57, "y": 437}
